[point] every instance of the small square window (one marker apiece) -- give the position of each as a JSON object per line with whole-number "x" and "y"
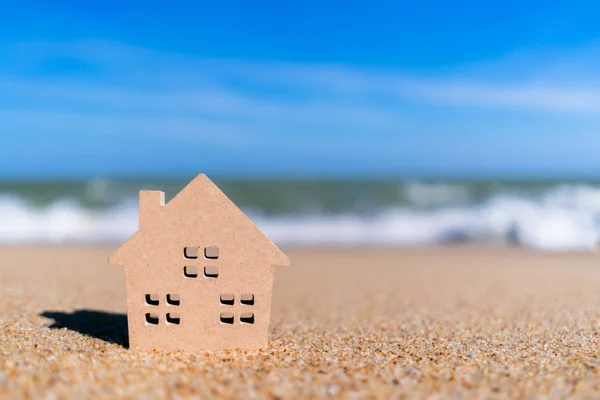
{"x": 190, "y": 271}
{"x": 211, "y": 272}
{"x": 190, "y": 252}
{"x": 247, "y": 318}
{"x": 173, "y": 299}
{"x": 227, "y": 318}
{"x": 151, "y": 319}
{"x": 152, "y": 299}
{"x": 173, "y": 319}
{"x": 227, "y": 299}
{"x": 211, "y": 253}
{"x": 247, "y": 299}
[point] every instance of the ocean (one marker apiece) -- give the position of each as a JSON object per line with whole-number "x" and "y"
{"x": 546, "y": 216}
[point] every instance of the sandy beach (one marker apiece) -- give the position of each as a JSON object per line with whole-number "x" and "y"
{"x": 466, "y": 322}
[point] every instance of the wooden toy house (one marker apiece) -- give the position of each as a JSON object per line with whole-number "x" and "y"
{"x": 199, "y": 274}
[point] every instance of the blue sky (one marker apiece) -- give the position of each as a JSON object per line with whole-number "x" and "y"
{"x": 299, "y": 88}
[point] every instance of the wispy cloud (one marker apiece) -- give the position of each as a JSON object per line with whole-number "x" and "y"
{"x": 116, "y": 127}
{"x": 265, "y": 87}
{"x": 522, "y": 92}
{"x": 100, "y": 87}
{"x": 522, "y": 96}
{"x": 203, "y": 101}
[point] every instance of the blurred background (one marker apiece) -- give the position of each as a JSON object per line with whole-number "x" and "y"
{"x": 381, "y": 123}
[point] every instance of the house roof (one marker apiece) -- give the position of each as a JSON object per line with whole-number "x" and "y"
{"x": 200, "y": 200}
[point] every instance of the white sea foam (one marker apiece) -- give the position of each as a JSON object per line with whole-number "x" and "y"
{"x": 563, "y": 218}
{"x": 64, "y": 221}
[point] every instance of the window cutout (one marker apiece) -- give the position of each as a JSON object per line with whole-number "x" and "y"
{"x": 152, "y": 299}
{"x": 227, "y": 299}
{"x": 227, "y": 318}
{"x": 190, "y": 271}
{"x": 247, "y": 318}
{"x": 190, "y": 252}
{"x": 247, "y": 299}
{"x": 151, "y": 319}
{"x": 173, "y": 299}
{"x": 211, "y": 252}
{"x": 211, "y": 272}
{"x": 173, "y": 319}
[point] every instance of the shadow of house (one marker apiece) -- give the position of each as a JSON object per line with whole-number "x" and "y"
{"x": 110, "y": 327}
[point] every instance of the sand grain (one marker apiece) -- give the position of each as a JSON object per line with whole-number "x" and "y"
{"x": 463, "y": 322}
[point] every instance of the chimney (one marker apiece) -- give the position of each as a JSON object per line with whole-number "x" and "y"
{"x": 151, "y": 202}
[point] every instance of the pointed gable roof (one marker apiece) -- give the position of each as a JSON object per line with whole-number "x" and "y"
{"x": 201, "y": 195}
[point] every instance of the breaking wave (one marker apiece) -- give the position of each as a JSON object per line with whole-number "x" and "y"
{"x": 564, "y": 217}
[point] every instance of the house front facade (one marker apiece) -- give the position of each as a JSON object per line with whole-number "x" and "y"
{"x": 199, "y": 274}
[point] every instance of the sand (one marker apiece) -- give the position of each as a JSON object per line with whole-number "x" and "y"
{"x": 449, "y": 322}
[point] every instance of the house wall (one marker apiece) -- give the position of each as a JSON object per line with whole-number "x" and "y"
{"x": 200, "y": 307}
{"x": 199, "y": 216}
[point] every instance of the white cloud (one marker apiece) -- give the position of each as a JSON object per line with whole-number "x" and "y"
{"x": 136, "y": 127}
{"x": 209, "y": 101}
{"x": 212, "y": 83}
{"x": 534, "y": 96}
{"x": 136, "y": 90}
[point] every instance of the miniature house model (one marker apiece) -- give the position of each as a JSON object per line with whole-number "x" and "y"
{"x": 199, "y": 274}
